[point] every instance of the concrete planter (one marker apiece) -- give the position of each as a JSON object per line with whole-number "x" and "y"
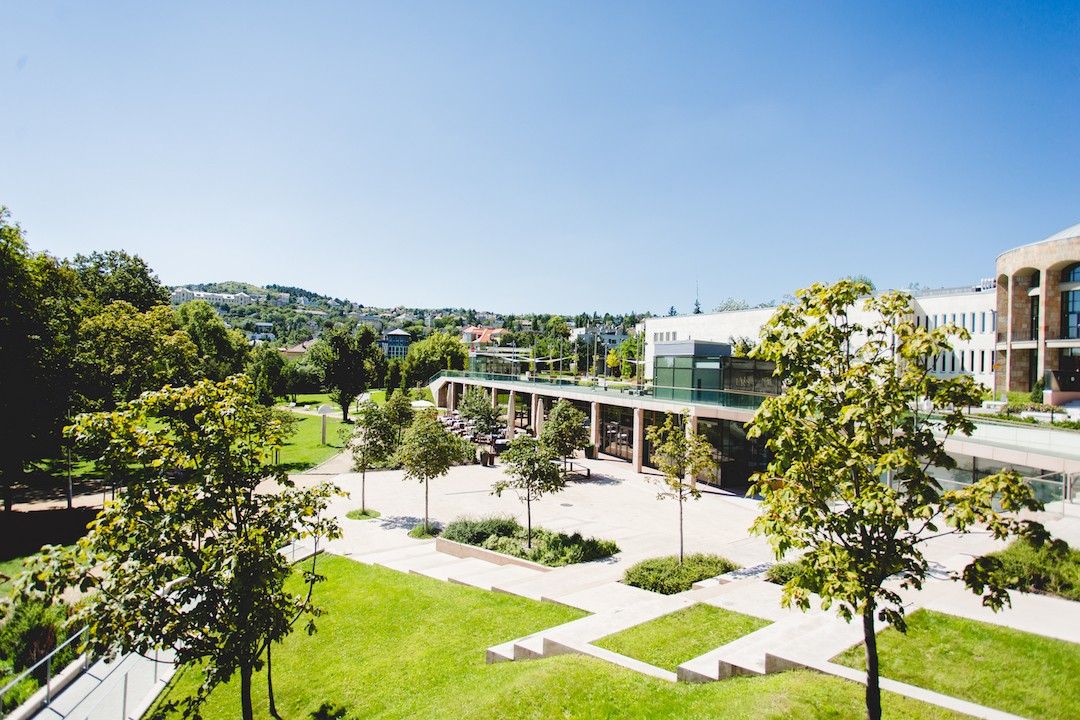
{"x": 463, "y": 550}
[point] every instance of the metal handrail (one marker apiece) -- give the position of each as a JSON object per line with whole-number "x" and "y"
{"x": 48, "y": 671}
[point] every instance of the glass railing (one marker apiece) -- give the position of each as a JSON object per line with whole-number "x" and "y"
{"x": 744, "y": 400}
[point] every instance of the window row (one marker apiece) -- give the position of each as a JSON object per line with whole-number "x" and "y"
{"x": 987, "y": 321}
{"x": 963, "y": 361}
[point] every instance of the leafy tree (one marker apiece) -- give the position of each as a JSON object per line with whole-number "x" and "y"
{"x": 39, "y": 318}
{"x": 188, "y": 557}
{"x": 393, "y": 375}
{"x": 440, "y": 351}
{"x": 123, "y": 351}
{"x": 564, "y": 431}
{"x": 613, "y": 362}
{"x": 847, "y": 419}
{"x": 729, "y": 304}
{"x": 557, "y": 328}
{"x": 682, "y": 456}
{"x": 222, "y": 351}
{"x": 267, "y": 372}
{"x": 347, "y": 361}
{"x": 427, "y": 452}
{"x": 372, "y": 442}
{"x": 742, "y": 346}
{"x": 114, "y": 275}
{"x": 672, "y": 312}
{"x": 475, "y": 406}
{"x": 399, "y": 413}
{"x": 531, "y": 473}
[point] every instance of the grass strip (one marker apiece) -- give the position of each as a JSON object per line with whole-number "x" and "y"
{"x": 394, "y": 645}
{"x": 671, "y": 640}
{"x": 998, "y": 667}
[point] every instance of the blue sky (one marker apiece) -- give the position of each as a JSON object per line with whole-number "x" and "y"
{"x": 556, "y": 156}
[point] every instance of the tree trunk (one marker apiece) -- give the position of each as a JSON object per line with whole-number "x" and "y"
{"x": 680, "y": 530}
{"x": 363, "y": 486}
{"x": 528, "y": 523}
{"x": 873, "y": 689}
{"x": 425, "y": 507}
{"x": 245, "y": 693}
{"x": 270, "y": 682}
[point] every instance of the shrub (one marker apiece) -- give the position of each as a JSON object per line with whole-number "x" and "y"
{"x": 474, "y": 531}
{"x": 667, "y": 576}
{"x": 1053, "y": 569}
{"x": 780, "y": 573}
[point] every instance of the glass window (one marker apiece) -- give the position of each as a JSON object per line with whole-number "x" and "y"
{"x": 1071, "y": 273}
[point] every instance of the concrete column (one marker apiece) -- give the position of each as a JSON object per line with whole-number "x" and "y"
{"x": 534, "y": 423}
{"x": 511, "y": 415}
{"x": 638, "y": 448}
{"x": 1049, "y": 319}
{"x": 594, "y": 424}
{"x": 538, "y": 408}
{"x": 495, "y": 398}
{"x": 452, "y": 402}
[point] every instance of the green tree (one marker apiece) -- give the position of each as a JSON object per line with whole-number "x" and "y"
{"x": 38, "y": 320}
{"x": 114, "y": 275}
{"x": 123, "y": 352}
{"x": 222, "y": 351}
{"x": 440, "y": 351}
{"x": 613, "y": 362}
{"x": 681, "y": 455}
{"x": 347, "y": 361}
{"x": 850, "y": 480}
{"x": 188, "y": 557}
{"x": 372, "y": 442}
{"x": 475, "y": 406}
{"x": 393, "y": 376}
{"x": 427, "y": 451}
{"x": 564, "y": 431}
{"x": 266, "y": 369}
{"x": 399, "y": 413}
{"x": 531, "y": 473}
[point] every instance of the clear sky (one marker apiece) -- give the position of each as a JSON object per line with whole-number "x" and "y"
{"x": 543, "y": 156}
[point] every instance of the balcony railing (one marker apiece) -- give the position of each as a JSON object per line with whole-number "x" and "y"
{"x": 741, "y": 399}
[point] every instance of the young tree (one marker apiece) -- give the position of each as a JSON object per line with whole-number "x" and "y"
{"x": 848, "y": 419}
{"x": 347, "y": 362}
{"x": 564, "y": 430}
{"x": 188, "y": 557}
{"x": 532, "y": 474}
{"x": 267, "y": 372}
{"x": 372, "y": 441}
{"x": 427, "y": 452}
{"x": 475, "y": 406}
{"x": 682, "y": 456}
{"x": 399, "y": 413}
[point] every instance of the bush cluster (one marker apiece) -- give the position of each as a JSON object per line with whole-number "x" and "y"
{"x": 31, "y": 631}
{"x": 667, "y": 576}
{"x": 781, "y": 573}
{"x": 1053, "y": 569}
{"x": 505, "y": 535}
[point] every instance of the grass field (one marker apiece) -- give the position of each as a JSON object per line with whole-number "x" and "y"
{"x": 305, "y": 449}
{"x": 671, "y": 640}
{"x": 395, "y": 645}
{"x": 1018, "y": 672}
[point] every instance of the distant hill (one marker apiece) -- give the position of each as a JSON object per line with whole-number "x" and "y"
{"x": 296, "y": 292}
{"x": 229, "y": 286}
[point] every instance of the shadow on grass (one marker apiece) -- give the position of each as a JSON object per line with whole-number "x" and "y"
{"x": 23, "y": 533}
{"x": 327, "y": 711}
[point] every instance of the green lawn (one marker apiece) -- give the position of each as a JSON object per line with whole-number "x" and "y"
{"x": 11, "y": 568}
{"x": 304, "y": 449}
{"x": 1018, "y": 672}
{"x": 395, "y": 645}
{"x": 671, "y": 640}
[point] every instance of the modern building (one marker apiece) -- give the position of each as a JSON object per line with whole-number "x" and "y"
{"x": 1038, "y": 310}
{"x": 182, "y": 295}
{"x": 395, "y": 344}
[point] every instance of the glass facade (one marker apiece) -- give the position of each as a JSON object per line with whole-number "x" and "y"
{"x": 737, "y": 456}
{"x": 714, "y": 380}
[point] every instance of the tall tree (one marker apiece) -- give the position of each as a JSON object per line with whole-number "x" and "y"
{"x": 440, "y": 351}
{"x": 189, "y": 559}
{"x": 346, "y": 359}
{"x": 531, "y": 473}
{"x": 267, "y": 371}
{"x": 427, "y": 452}
{"x": 564, "y": 431}
{"x": 114, "y": 275}
{"x": 222, "y": 351}
{"x": 372, "y": 442}
{"x": 399, "y": 413}
{"x": 681, "y": 455}
{"x": 848, "y": 418}
{"x": 123, "y": 351}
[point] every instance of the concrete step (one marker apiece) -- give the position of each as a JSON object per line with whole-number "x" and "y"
{"x": 607, "y": 597}
{"x": 559, "y": 581}
{"x": 489, "y": 578}
{"x": 453, "y": 566}
{"x": 419, "y": 547}
{"x": 415, "y": 562}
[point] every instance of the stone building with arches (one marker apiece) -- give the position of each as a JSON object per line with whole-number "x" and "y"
{"x": 1038, "y": 317}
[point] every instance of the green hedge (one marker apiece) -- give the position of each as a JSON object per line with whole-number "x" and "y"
{"x": 504, "y": 534}
{"x": 1053, "y": 569}
{"x": 667, "y": 576}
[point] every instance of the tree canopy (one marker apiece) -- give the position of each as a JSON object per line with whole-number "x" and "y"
{"x": 851, "y": 481}
{"x": 564, "y": 431}
{"x": 113, "y": 275}
{"x": 347, "y": 359}
{"x": 427, "y": 451}
{"x": 440, "y": 351}
{"x": 221, "y": 351}
{"x": 372, "y": 441}
{"x": 188, "y": 557}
